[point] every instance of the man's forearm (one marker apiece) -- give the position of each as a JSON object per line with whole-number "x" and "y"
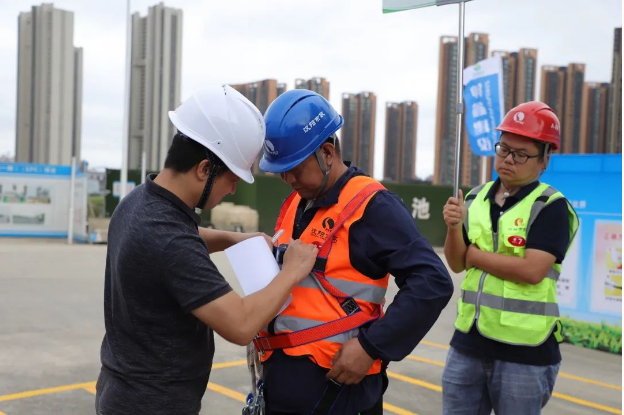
{"x": 261, "y": 307}
{"x": 507, "y": 267}
{"x": 455, "y": 249}
{"x": 219, "y": 240}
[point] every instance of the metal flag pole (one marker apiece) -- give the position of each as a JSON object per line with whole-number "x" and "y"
{"x": 126, "y": 118}
{"x": 484, "y": 163}
{"x": 460, "y": 95}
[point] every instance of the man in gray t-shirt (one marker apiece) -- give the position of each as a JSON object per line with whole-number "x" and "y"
{"x": 163, "y": 295}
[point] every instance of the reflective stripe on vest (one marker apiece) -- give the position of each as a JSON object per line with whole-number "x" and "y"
{"x": 356, "y": 290}
{"x": 510, "y": 304}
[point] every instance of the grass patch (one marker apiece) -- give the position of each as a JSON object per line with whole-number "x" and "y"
{"x": 592, "y": 335}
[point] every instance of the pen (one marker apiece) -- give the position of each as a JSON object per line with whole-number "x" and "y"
{"x": 277, "y": 235}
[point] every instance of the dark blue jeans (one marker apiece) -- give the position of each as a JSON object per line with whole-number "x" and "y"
{"x": 476, "y": 386}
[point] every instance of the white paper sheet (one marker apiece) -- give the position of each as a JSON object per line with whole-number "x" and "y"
{"x": 254, "y": 265}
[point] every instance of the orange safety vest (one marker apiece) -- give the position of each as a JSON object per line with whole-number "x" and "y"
{"x": 330, "y": 304}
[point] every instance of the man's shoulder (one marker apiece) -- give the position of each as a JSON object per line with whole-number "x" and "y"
{"x": 152, "y": 220}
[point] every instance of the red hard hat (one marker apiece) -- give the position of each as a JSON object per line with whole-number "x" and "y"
{"x": 534, "y": 120}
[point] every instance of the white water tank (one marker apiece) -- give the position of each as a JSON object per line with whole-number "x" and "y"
{"x": 230, "y": 217}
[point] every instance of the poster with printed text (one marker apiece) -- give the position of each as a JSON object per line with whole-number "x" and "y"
{"x": 568, "y": 280}
{"x": 607, "y": 268}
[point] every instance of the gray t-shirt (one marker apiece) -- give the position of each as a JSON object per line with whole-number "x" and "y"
{"x": 156, "y": 356}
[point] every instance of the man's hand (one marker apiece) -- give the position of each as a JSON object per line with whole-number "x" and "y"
{"x": 454, "y": 211}
{"x": 351, "y": 363}
{"x": 299, "y": 259}
{"x": 472, "y": 251}
{"x": 220, "y": 240}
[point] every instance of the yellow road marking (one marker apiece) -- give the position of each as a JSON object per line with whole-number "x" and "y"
{"x": 555, "y": 394}
{"x": 425, "y": 360}
{"x": 591, "y": 381}
{"x": 243, "y": 398}
{"x": 562, "y": 374}
{"x": 229, "y": 364}
{"x": 90, "y": 388}
{"x": 438, "y": 345}
{"x": 47, "y": 391}
{"x": 230, "y": 393}
{"x": 415, "y": 381}
{"x": 393, "y": 409}
{"x": 587, "y": 403}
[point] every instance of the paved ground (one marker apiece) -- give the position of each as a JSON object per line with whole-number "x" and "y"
{"x": 51, "y": 326}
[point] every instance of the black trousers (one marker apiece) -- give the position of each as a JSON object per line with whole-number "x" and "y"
{"x": 375, "y": 410}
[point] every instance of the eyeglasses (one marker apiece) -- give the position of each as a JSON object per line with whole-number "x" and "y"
{"x": 519, "y": 158}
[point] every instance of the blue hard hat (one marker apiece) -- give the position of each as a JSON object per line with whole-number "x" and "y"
{"x": 298, "y": 122}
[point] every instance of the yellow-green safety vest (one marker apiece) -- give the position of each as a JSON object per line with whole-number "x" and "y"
{"x": 507, "y": 311}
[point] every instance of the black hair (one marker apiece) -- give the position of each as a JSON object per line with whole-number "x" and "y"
{"x": 185, "y": 153}
{"x": 541, "y": 146}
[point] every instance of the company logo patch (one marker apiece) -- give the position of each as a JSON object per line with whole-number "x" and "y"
{"x": 554, "y": 126}
{"x": 519, "y": 222}
{"x": 269, "y": 148}
{"x": 328, "y": 223}
{"x": 517, "y": 241}
{"x": 519, "y": 117}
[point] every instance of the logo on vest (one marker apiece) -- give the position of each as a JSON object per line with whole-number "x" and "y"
{"x": 323, "y": 234}
{"x": 519, "y": 222}
{"x": 328, "y": 223}
{"x": 517, "y": 241}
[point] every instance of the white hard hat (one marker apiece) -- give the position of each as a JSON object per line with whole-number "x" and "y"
{"x": 225, "y": 122}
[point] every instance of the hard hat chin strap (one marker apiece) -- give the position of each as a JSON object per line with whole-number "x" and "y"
{"x": 546, "y": 160}
{"x": 212, "y": 175}
{"x": 325, "y": 168}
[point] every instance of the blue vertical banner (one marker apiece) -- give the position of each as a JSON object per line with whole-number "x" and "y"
{"x": 483, "y": 99}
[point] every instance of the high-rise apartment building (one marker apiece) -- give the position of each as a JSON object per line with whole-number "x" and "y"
{"x": 357, "y": 137}
{"x": 281, "y": 88}
{"x": 552, "y": 89}
{"x": 318, "y": 85}
{"x": 526, "y": 75}
{"x": 400, "y": 150}
{"x": 155, "y": 84}
{"x": 519, "y": 76}
{"x": 470, "y": 165}
{"x": 49, "y": 87}
{"x": 575, "y": 80}
{"x": 594, "y": 118}
{"x": 510, "y": 64}
{"x": 614, "y": 133}
{"x": 261, "y": 94}
{"x": 446, "y": 119}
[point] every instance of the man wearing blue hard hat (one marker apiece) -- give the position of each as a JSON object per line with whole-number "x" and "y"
{"x": 328, "y": 350}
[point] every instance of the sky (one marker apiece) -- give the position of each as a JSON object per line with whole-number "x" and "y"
{"x": 349, "y": 42}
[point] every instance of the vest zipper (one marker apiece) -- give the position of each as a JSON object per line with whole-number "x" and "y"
{"x": 484, "y": 274}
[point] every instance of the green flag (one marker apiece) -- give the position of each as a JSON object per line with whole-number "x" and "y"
{"x": 391, "y": 6}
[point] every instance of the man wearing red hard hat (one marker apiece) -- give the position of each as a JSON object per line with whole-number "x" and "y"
{"x": 511, "y": 236}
